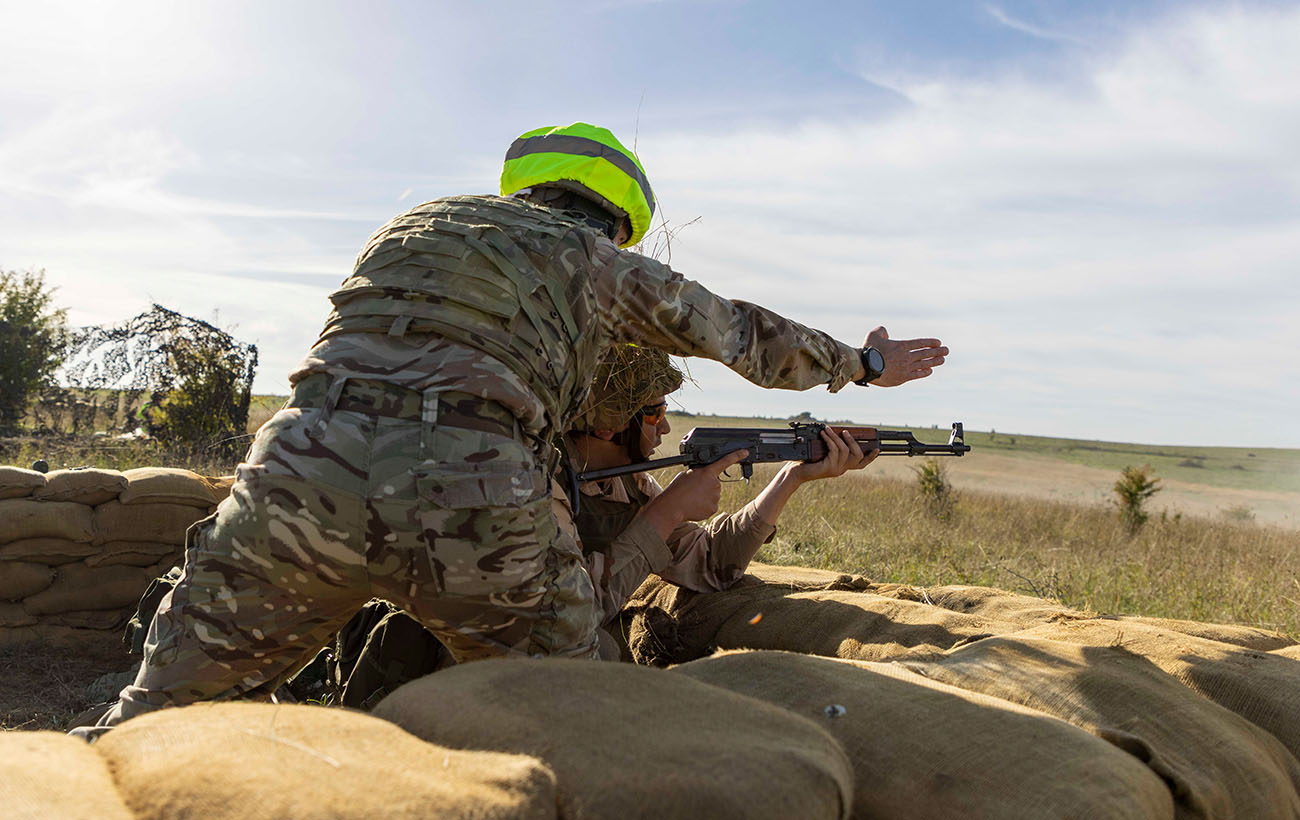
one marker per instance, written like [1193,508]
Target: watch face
[875,360]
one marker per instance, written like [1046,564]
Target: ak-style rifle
[802,442]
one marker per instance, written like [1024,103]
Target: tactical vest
[599,520]
[499,275]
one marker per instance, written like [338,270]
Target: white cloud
[1109,253]
[1118,244]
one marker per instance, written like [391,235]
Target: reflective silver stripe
[582,147]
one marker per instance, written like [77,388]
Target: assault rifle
[802,442]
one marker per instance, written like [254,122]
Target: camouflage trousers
[429,499]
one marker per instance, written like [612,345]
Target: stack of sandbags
[1217,764]
[1262,687]
[922,749]
[837,615]
[630,741]
[796,610]
[78,547]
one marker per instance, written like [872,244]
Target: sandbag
[838,616]
[52,551]
[996,604]
[1261,687]
[1249,637]
[89,618]
[13,615]
[79,587]
[260,761]
[15,482]
[50,776]
[805,578]
[18,579]
[133,553]
[159,523]
[666,624]
[859,625]
[25,518]
[169,485]
[922,749]
[1287,652]
[83,485]
[1216,763]
[629,741]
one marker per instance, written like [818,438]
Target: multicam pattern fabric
[452,524]
[493,311]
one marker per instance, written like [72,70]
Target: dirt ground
[44,685]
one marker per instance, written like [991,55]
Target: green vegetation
[1135,487]
[1219,570]
[32,337]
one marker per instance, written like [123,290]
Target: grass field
[1033,514]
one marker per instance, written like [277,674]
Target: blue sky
[1096,205]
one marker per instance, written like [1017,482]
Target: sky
[1096,205]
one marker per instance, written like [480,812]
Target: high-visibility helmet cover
[588,155]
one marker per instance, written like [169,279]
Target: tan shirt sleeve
[646,302]
[714,556]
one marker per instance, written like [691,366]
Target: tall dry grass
[1218,571]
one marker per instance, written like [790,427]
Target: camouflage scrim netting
[133,360]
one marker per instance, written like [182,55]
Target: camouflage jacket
[703,558]
[541,294]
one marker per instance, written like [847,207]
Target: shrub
[205,407]
[936,491]
[32,337]
[1135,487]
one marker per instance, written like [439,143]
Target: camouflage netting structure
[796,693]
[79,547]
[110,371]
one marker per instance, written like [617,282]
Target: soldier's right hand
[691,495]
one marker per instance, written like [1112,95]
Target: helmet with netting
[627,378]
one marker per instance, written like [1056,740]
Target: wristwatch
[873,366]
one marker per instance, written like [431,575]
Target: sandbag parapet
[79,546]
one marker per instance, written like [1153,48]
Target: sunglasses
[653,413]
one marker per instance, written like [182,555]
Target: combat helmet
[586,160]
[627,377]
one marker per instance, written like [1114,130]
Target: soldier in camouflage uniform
[412,461]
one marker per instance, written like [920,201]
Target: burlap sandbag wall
[922,749]
[630,741]
[1262,687]
[78,547]
[1216,763]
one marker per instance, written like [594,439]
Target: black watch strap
[873,366]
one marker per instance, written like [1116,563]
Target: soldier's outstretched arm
[646,302]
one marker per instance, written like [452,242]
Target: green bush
[1135,487]
[32,338]
[936,491]
[205,406]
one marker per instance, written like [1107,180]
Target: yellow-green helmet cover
[586,154]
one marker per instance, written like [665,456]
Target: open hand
[905,359]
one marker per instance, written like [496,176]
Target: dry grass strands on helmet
[627,377]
